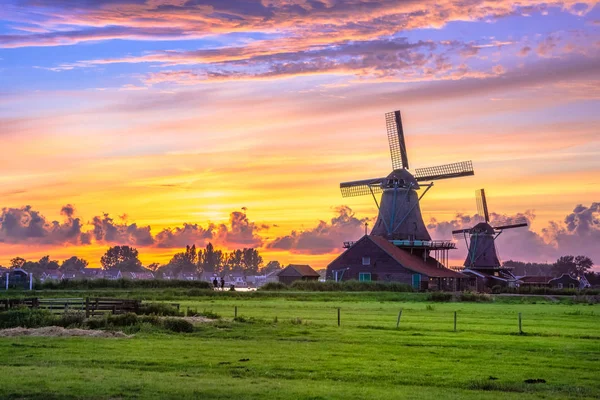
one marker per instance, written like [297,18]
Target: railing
[91,306]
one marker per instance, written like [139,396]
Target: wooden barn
[295,272]
[374,258]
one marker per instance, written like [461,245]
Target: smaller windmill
[482,257]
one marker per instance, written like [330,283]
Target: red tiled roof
[415,263]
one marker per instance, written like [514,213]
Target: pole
[454,321]
[338,316]
[399,316]
[30,281]
[7,277]
[520,326]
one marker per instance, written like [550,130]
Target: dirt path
[57,331]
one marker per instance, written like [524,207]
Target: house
[112,274]
[294,272]
[69,276]
[51,275]
[138,276]
[532,281]
[260,280]
[374,258]
[565,281]
[92,273]
[188,276]
[209,277]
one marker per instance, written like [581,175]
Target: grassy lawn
[285,347]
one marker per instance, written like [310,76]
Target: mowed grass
[291,349]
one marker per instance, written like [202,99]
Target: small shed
[294,272]
[565,281]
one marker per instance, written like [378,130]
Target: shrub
[440,297]
[26,318]
[83,284]
[209,314]
[178,325]
[122,319]
[71,319]
[162,309]
[346,286]
[475,297]
[274,286]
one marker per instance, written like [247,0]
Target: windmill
[480,239]
[399,217]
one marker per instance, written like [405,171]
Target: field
[288,346]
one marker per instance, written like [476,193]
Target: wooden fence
[90,305]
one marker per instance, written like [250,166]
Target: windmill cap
[483,227]
[403,177]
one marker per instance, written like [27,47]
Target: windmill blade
[511,226]
[459,231]
[393,122]
[361,188]
[456,170]
[482,207]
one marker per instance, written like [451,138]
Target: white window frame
[361,274]
[366,260]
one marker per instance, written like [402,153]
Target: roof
[303,270]
[415,263]
[532,279]
[563,276]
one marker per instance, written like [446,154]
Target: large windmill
[482,256]
[399,217]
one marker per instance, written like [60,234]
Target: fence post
[398,321]
[454,321]
[235,312]
[7,279]
[338,310]
[87,307]
[520,326]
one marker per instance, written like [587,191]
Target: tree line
[571,265]
[191,260]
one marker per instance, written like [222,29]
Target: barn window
[560,285]
[364,276]
[366,261]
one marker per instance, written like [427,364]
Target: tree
[252,261]
[124,258]
[571,265]
[270,267]
[17,262]
[73,264]
[212,260]
[153,267]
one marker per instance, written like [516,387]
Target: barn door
[416,281]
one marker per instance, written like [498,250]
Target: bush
[178,325]
[274,286]
[346,286]
[71,319]
[26,318]
[122,319]
[209,314]
[83,284]
[475,297]
[162,309]
[440,297]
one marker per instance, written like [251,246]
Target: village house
[294,272]
[374,258]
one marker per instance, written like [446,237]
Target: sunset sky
[161,123]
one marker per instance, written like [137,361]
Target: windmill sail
[361,188]
[482,208]
[393,122]
[455,170]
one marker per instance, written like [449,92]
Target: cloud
[326,237]
[25,225]
[578,233]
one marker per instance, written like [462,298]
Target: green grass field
[290,347]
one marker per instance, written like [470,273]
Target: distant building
[374,258]
[533,281]
[294,272]
[51,275]
[138,276]
[565,281]
[92,273]
[112,274]
[188,276]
